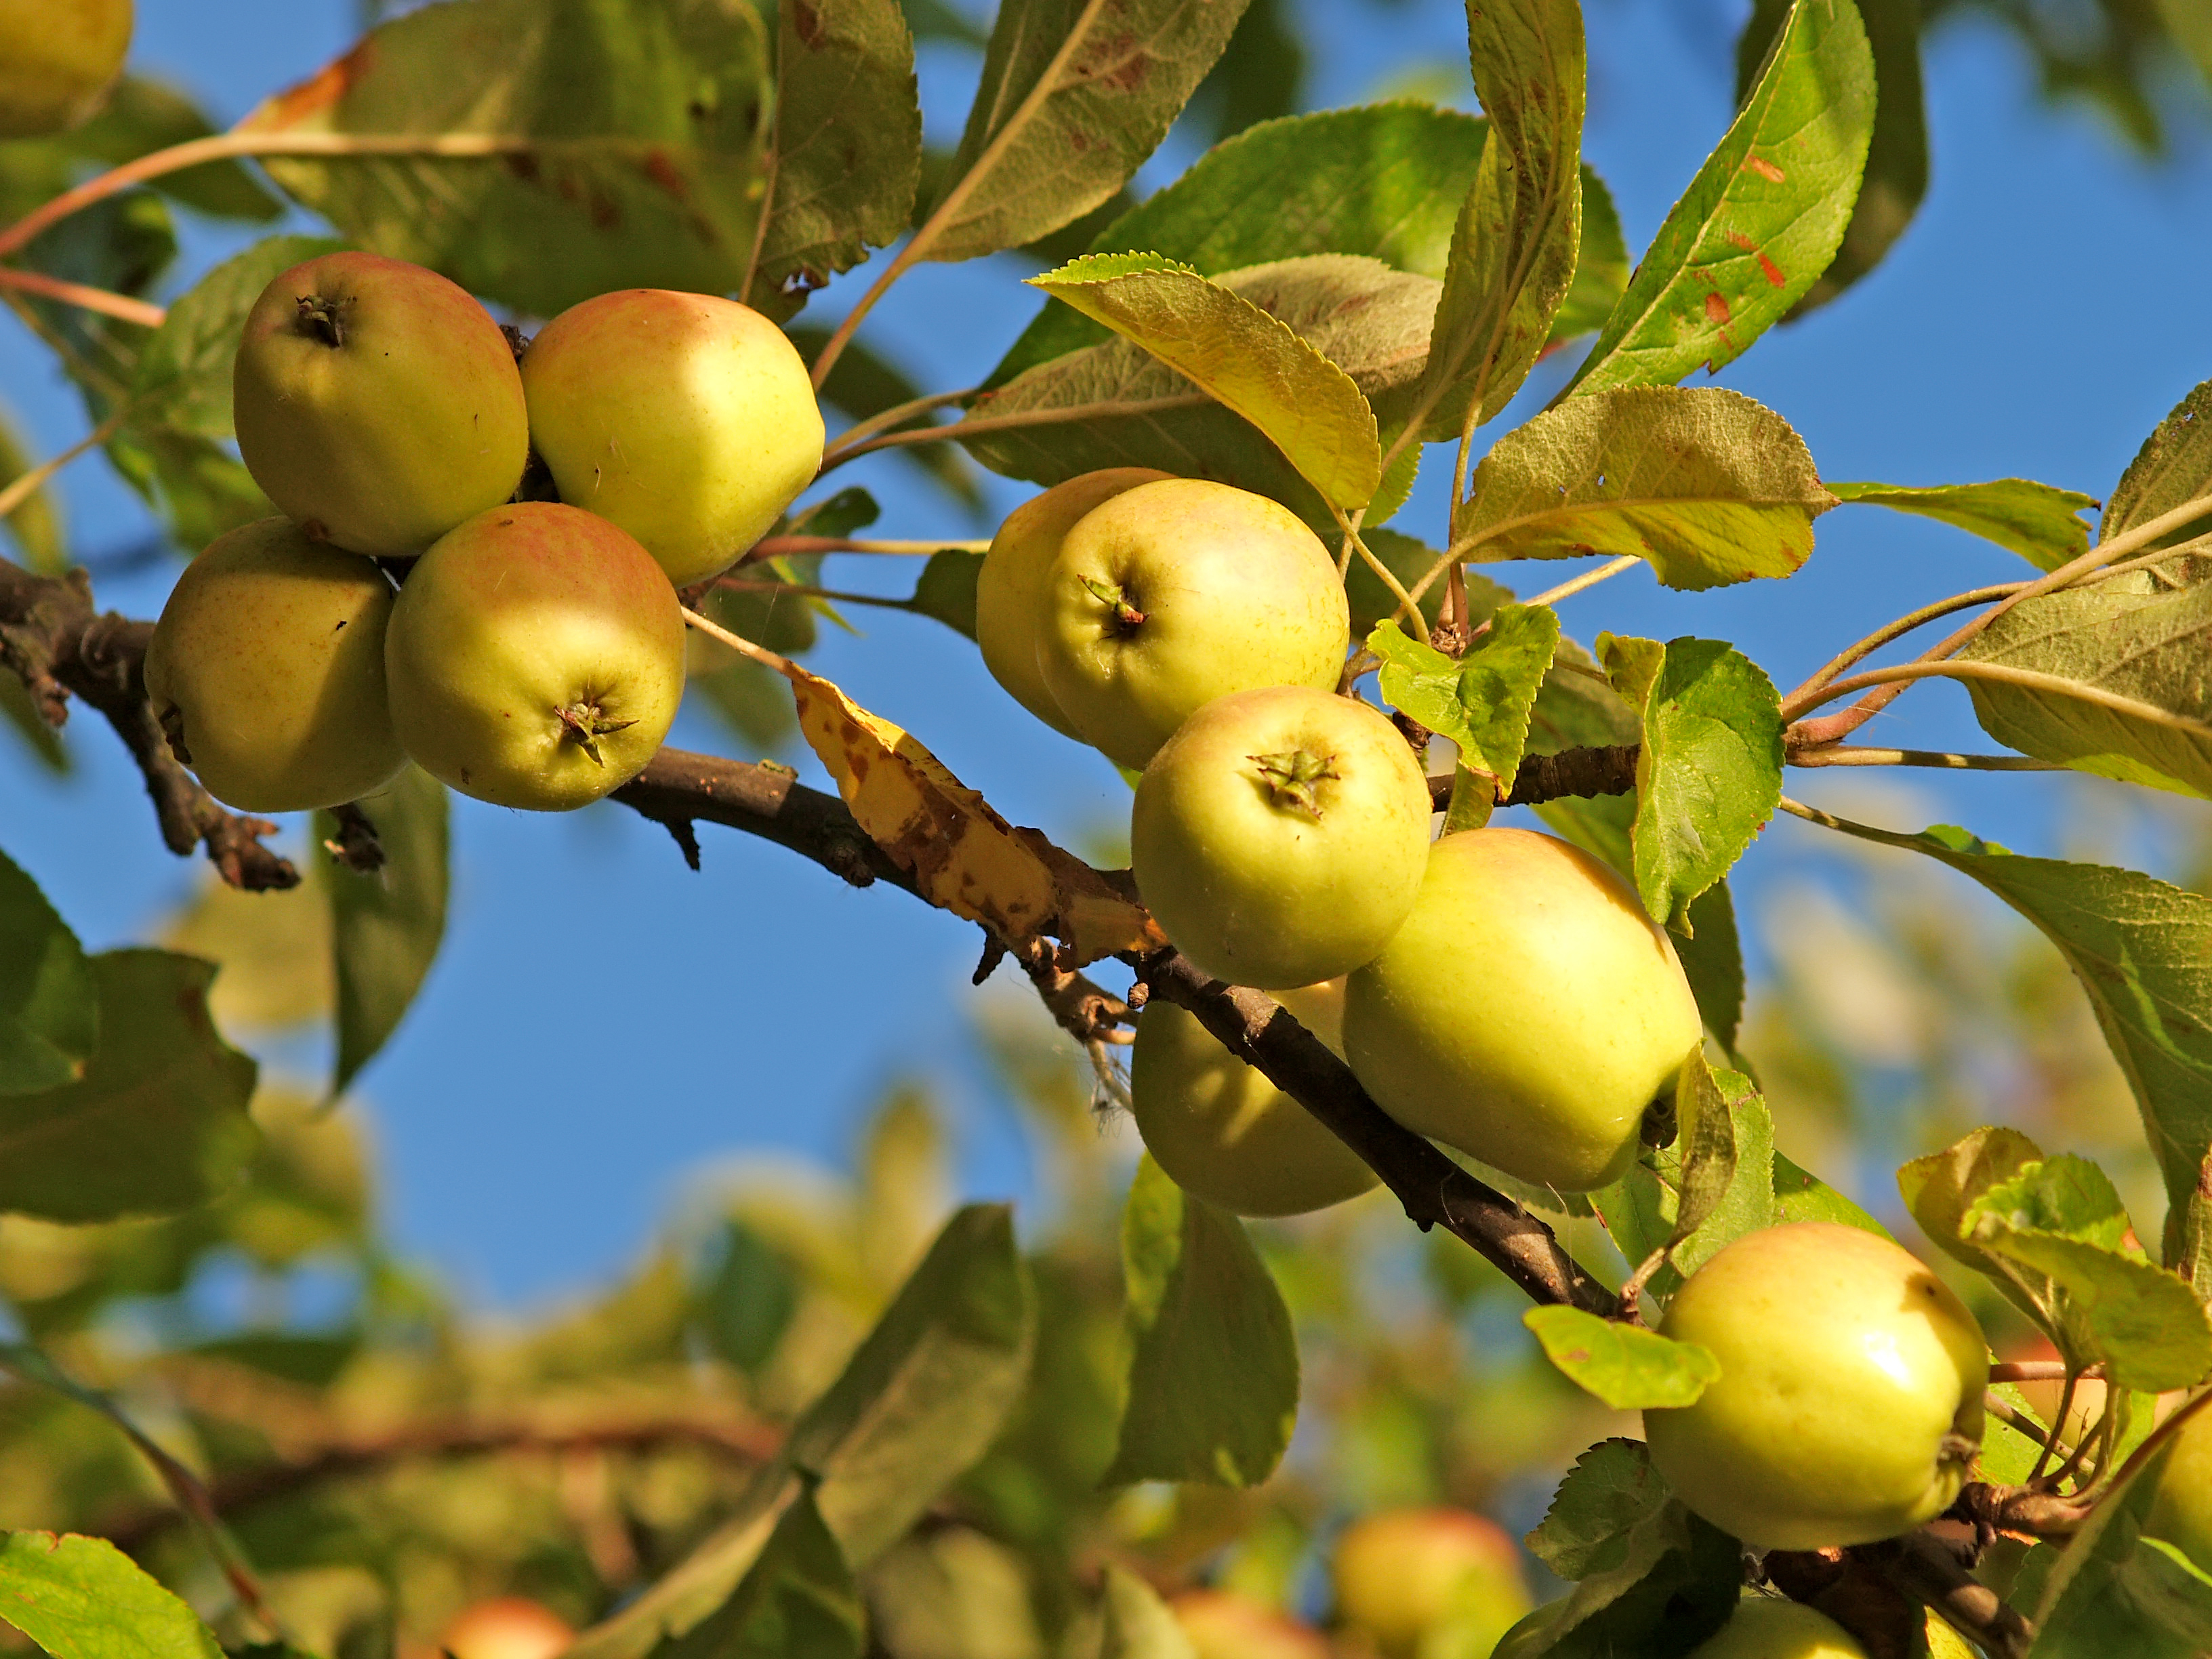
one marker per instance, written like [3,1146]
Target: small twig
[1610,770]
[1804,738]
[22,487]
[146,315]
[977,425]
[2039,1370]
[884,420]
[1845,754]
[778,547]
[1873,642]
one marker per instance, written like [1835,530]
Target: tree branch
[55,643]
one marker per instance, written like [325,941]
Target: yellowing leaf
[964,856]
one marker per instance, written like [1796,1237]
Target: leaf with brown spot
[965,857]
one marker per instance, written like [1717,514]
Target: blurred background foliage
[386,1458]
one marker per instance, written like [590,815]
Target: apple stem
[1290,777]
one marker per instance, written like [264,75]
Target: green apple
[377,403]
[506,1627]
[1766,1627]
[1402,1574]
[57,60]
[1010,588]
[687,419]
[2181,1511]
[1222,1131]
[266,671]
[1280,834]
[1527,1011]
[1174,593]
[535,657]
[1849,1405]
[1222,1625]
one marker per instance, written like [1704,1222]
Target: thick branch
[54,642]
[1604,771]
[1435,1191]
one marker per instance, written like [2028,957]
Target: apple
[535,657]
[1222,1625]
[377,403]
[1402,1574]
[1279,837]
[1222,1131]
[57,60]
[266,671]
[506,1627]
[1849,1404]
[1527,1011]
[2181,1511]
[687,419]
[1010,587]
[1767,1627]
[1174,593]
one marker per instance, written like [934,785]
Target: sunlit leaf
[2173,468]
[1711,956]
[182,380]
[1709,486]
[82,1598]
[1213,1369]
[1480,700]
[1626,1366]
[386,925]
[1138,1623]
[2040,522]
[1764,218]
[797,1600]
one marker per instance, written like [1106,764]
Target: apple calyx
[1291,776]
[1116,598]
[322,320]
[171,721]
[583,725]
[1660,1124]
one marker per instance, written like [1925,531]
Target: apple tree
[529,443]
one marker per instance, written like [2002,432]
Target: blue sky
[2043,314]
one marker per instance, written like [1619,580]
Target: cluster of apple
[407,606]
[1499,990]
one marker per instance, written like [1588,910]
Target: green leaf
[1241,356]
[2142,951]
[2059,1228]
[49,1001]
[17,709]
[745,1308]
[1517,237]
[1381,182]
[1763,219]
[1213,1369]
[1118,405]
[643,130]
[2192,1257]
[1075,94]
[1896,158]
[1706,1151]
[1802,1196]
[846,155]
[2111,1590]
[36,523]
[1409,559]
[1709,486]
[157,1123]
[1640,1556]
[947,589]
[797,1600]
[142,116]
[2040,522]
[386,926]
[2174,468]
[1136,1623]
[1480,700]
[1941,1188]
[182,380]
[2133,637]
[1710,770]
[1721,1161]
[1711,957]
[195,486]
[1627,1367]
[950,1592]
[82,1598]
[1600,266]
[920,1400]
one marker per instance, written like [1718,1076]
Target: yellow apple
[1222,1131]
[1402,1574]
[1849,1404]
[1280,834]
[1527,1011]
[1174,593]
[506,1627]
[1766,1627]
[687,419]
[377,403]
[1222,1625]
[57,60]
[2181,1511]
[535,657]
[1010,588]
[266,671]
